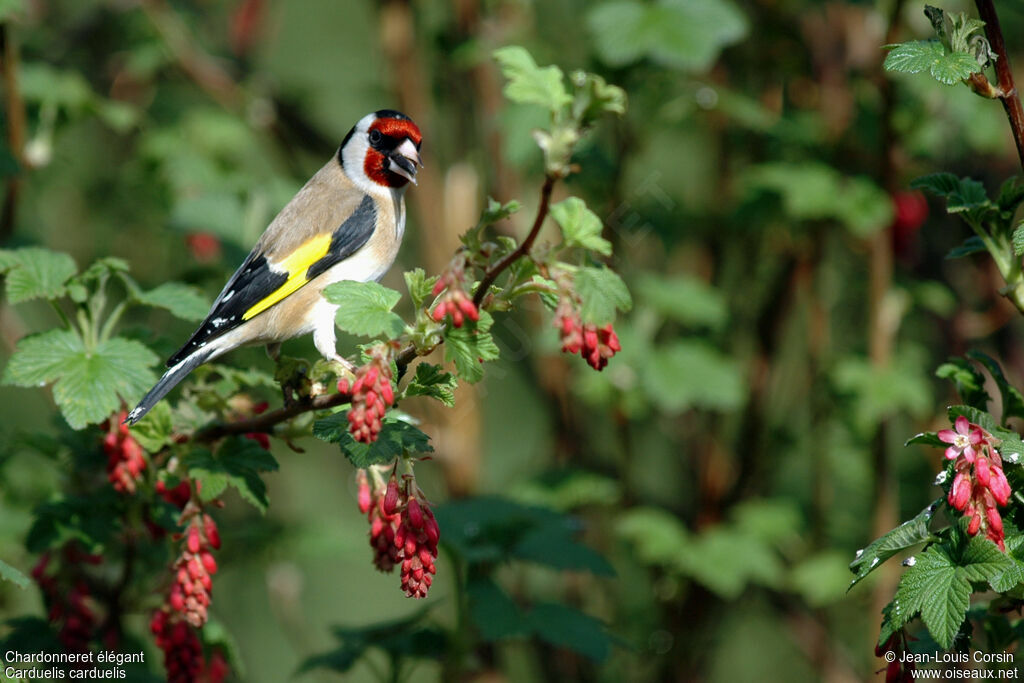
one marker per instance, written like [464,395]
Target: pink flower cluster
[371,394]
[67,596]
[595,344]
[980,484]
[403,530]
[125,459]
[183,652]
[456,302]
[194,569]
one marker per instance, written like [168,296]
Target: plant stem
[524,248]
[1010,97]
[14,108]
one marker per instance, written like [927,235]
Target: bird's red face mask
[393,154]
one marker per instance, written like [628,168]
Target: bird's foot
[293,375]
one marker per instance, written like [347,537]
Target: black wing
[254,280]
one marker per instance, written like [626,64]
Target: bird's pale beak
[404,160]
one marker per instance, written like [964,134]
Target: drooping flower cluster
[67,597]
[456,301]
[183,652]
[980,484]
[403,530]
[595,344]
[189,596]
[125,459]
[371,395]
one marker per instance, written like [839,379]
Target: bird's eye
[375,137]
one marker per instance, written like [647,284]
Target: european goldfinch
[346,223]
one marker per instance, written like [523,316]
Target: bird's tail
[170,380]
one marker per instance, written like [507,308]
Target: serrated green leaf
[9,573]
[33,272]
[529,83]
[181,300]
[1011,194]
[431,380]
[942,184]
[238,463]
[969,383]
[982,560]
[470,346]
[90,520]
[420,286]
[908,534]
[580,226]
[602,293]
[944,604]
[156,429]
[971,245]
[364,308]
[913,57]
[978,417]
[90,384]
[953,68]
[496,211]
[594,97]
[396,437]
[1013,402]
[1018,239]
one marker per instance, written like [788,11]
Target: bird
[346,223]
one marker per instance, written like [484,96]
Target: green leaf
[1013,402]
[945,66]
[982,560]
[420,286]
[914,57]
[1011,194]
[602,292]
[181,300]
[594,97]
[396,437]
[90,520]
[33,272]
[494,613]
[496,211]
[554,547]
[9,573]
[926,439]
[908,534]
[529,83]
[942,184]
[971,245]
[580,226]
[90,384]
[1018,239]
[470,346]
[685,299]
[978,417]
[946,597]
[690,372]
[404,637]
[685,34]
[566,627]
[156,429]
[237,463]
[431,380]
[364,308]
[969,383]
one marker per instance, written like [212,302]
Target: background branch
[1010,97]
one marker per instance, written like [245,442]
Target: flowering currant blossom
[456,301]
[371,394]
[980,485]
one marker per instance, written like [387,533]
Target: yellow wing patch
[295,264]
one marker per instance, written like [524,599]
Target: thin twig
[542,211]
[1010,97]
[267,421]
